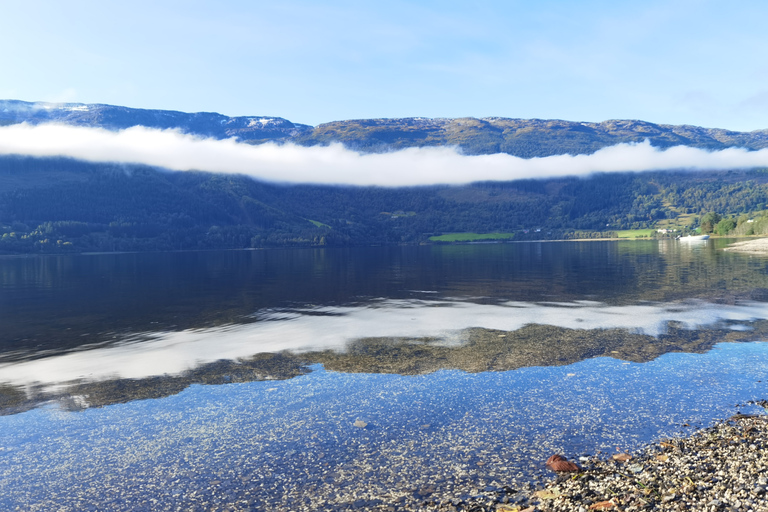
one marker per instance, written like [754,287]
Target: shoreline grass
[635,233]
[471,237]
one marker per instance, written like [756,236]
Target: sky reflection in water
[321,328]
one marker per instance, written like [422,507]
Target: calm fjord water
[468,364]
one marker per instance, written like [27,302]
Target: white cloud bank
[336,165]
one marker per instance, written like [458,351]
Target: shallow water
[277,443]
[468,365]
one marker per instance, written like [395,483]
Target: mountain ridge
[524,138]
[206,124]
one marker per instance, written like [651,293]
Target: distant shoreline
[758,247]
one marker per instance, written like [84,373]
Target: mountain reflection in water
[405,337]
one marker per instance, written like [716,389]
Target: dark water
[233,380]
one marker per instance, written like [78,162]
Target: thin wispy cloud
[336,164]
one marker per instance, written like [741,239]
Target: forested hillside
[62,205]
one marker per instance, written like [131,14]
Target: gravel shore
[758,246]
[722,468]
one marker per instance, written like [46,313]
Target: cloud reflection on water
[334,328]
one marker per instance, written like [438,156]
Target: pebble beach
[721,468]
[724,467]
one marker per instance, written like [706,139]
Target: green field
[636,233]
[470,237]
[319,224]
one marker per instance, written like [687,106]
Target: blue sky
[677,62]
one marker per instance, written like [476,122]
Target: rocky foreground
[722,468]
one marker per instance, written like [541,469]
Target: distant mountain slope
[207,124]
[520,137]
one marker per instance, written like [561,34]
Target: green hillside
[61,205]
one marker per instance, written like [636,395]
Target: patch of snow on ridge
[263,121]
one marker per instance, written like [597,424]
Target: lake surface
[321,379]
